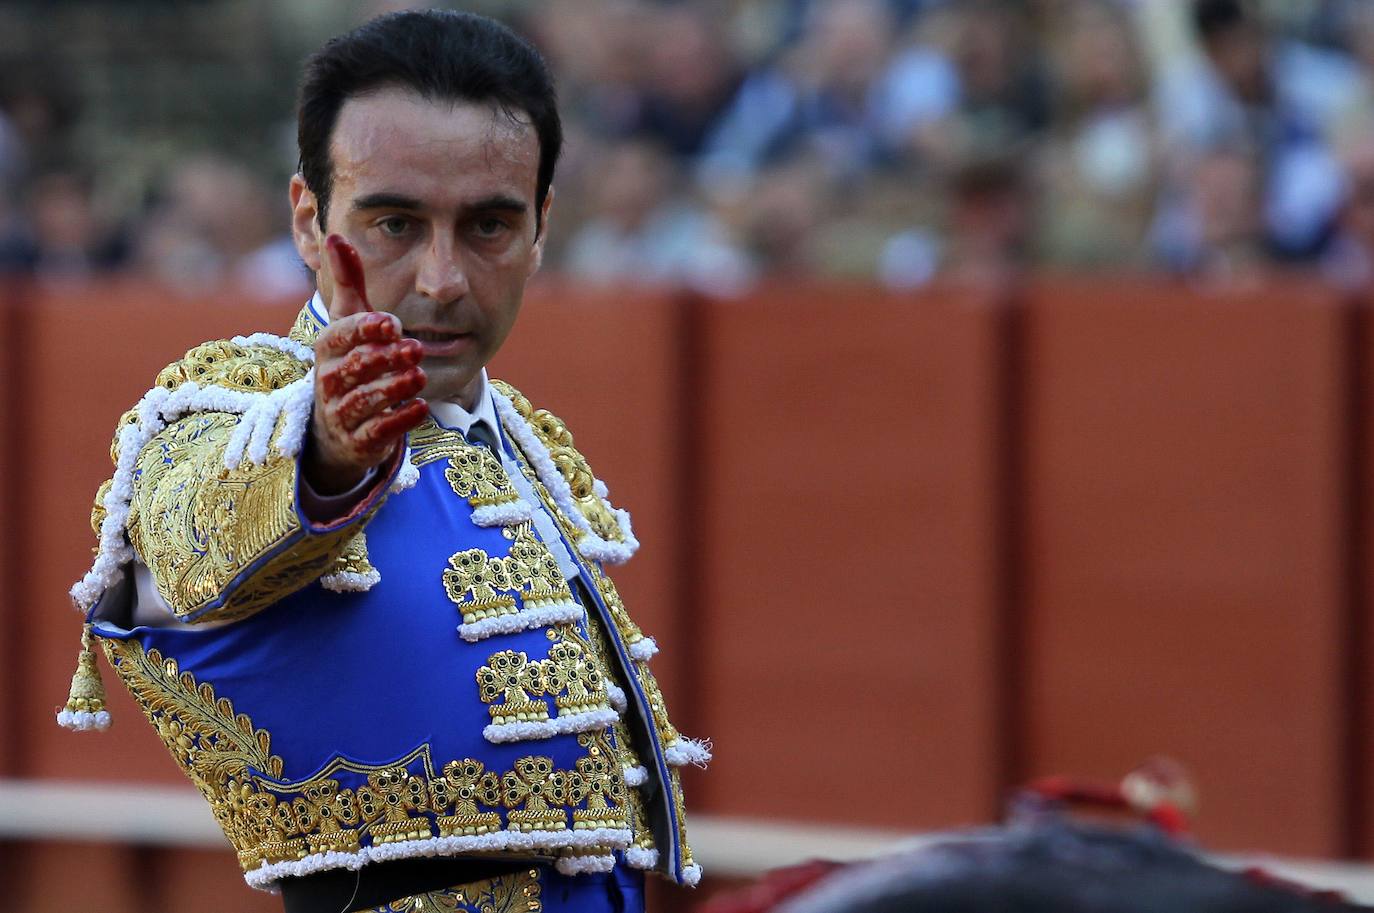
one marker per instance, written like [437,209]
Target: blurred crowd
[715,142]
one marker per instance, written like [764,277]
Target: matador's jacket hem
[425,678]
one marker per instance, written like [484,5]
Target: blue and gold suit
[473,700]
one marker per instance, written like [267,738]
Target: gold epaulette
[571,464]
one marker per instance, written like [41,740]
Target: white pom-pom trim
[688,751]
[616,695]
[643,649]
[507,514]
[691,875]
[350,581]
[407,477]
[280,343]
[637,775]
[564,724]
[522,620]
[260,413]
[641,857]
[591,545]
[84,720]
[592,839]
[577,865]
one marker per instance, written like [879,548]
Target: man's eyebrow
[499,203]
[386,201]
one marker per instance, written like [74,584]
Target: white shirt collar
[450,415]
[455,417]
[318,308]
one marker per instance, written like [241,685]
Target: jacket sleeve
[226,537]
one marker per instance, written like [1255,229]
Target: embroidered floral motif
[513,687]
[527,580]
[455,797]
[510,677]
[599,785]
[517,892]
[474,473]
[541,790]
[393,796]
[272,822]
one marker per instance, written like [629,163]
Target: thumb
[350,287]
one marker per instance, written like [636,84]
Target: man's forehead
[394,133]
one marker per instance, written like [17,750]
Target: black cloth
[379,883]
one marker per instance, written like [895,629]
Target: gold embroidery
[576,681]
[542,790]
[198,525]
[306,329]
[354,558]
[572,676]
[252,369]
[327,816]
[464,784]
[475,473]
[667,732]
[629,631]
[675,787]
[483,586]
[517,892]
[598,783]
[392,795]
[98,511]
[268,820]
[571,465]
[639,816]
[511,677]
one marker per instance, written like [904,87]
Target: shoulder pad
[224,363]
[571,464]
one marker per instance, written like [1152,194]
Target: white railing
[47,810]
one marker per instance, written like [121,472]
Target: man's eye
[394,227]
[490,227]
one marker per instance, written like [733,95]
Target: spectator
[215,227]
[1349,260]
[1215,228]
[1249,89]
[639,231]
[62,235]
[1097,163]
[820,97]
[689,80]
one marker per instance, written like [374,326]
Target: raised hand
[367,381]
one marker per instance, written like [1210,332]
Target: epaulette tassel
[85,709]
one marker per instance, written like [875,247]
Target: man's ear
[305,225]
[543,233]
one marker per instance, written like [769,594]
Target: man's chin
[451,383]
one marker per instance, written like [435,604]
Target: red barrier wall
[900,551]
[847,561]
[1184,520]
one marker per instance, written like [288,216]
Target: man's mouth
[439,342]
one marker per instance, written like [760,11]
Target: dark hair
[1213,17]
[1060,867]
[442,55]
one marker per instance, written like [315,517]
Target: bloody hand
[367,381]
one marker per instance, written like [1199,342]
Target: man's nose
[442,276]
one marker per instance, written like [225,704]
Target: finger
[341,337]
[366,363]
[350,286]
[381,431]
[362,403]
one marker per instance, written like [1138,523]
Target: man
[357,588]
